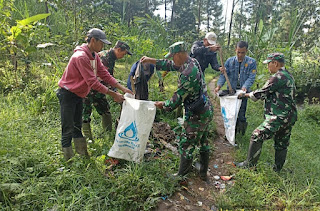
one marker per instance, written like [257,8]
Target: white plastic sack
[230,106]
[133,130]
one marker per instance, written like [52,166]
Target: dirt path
[197,194]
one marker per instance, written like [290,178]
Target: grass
[296,187]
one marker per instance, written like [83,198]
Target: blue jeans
[71,116]
[242,111]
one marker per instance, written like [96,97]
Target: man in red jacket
[79,77]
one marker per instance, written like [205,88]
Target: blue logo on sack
[224,116]
[130,133]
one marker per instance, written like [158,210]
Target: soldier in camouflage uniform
[280,113]
[192,92]
[99,100]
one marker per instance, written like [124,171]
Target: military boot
[86,130]
[253,155]
[80,144]
[280,158]
[185,166]
[67,153]
[107,121]
[202,167]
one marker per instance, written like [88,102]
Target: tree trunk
[240,24]
[230,26]
[257,19]
[172,12]
[165,11]
[208,15]
[75,19]
[199,14]
[225,19]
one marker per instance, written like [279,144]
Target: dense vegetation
[33,175]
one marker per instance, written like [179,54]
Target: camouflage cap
[123,46]
[99,35]
[274,57]
[176,48]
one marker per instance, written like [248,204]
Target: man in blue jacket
[241,71]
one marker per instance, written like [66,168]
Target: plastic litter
[216,177]
[226,178]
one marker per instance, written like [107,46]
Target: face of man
[120,53]
[205,42]
[241,53]
[179,58]
[96,45]
[273,66]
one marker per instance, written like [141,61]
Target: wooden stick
[132,85]
[231,91]
[169,146]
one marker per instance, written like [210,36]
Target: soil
[196,194]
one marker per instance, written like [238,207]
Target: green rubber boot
[80,144]
[107,122]
[86,130]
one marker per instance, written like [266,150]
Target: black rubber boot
[107,122]
[80,144]
[243,127]
[280,158]
[185,166]
[253,155]
[86,130]
[67,153]
[204,161]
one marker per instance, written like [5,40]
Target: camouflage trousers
[274,127]
[194,133]
[96,99]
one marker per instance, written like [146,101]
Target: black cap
[99,35]
[123,46]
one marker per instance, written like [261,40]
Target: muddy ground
[196,194]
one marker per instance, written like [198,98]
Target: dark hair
[242,44]
[88,39]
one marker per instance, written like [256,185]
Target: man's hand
[222,69]
[146,59]
[243,95]
[117,97]
[159,104]
[123,89]
[214,47]
[216,90]
[126,90]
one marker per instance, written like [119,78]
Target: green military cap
[176,48]
[123,46]
[274,57]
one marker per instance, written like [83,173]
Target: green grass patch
[296,187]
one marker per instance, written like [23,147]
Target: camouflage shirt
[278,94]
[108,59]
[190,85]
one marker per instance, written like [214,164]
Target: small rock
[200,203]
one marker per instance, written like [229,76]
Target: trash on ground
[226,178]
[216,177]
